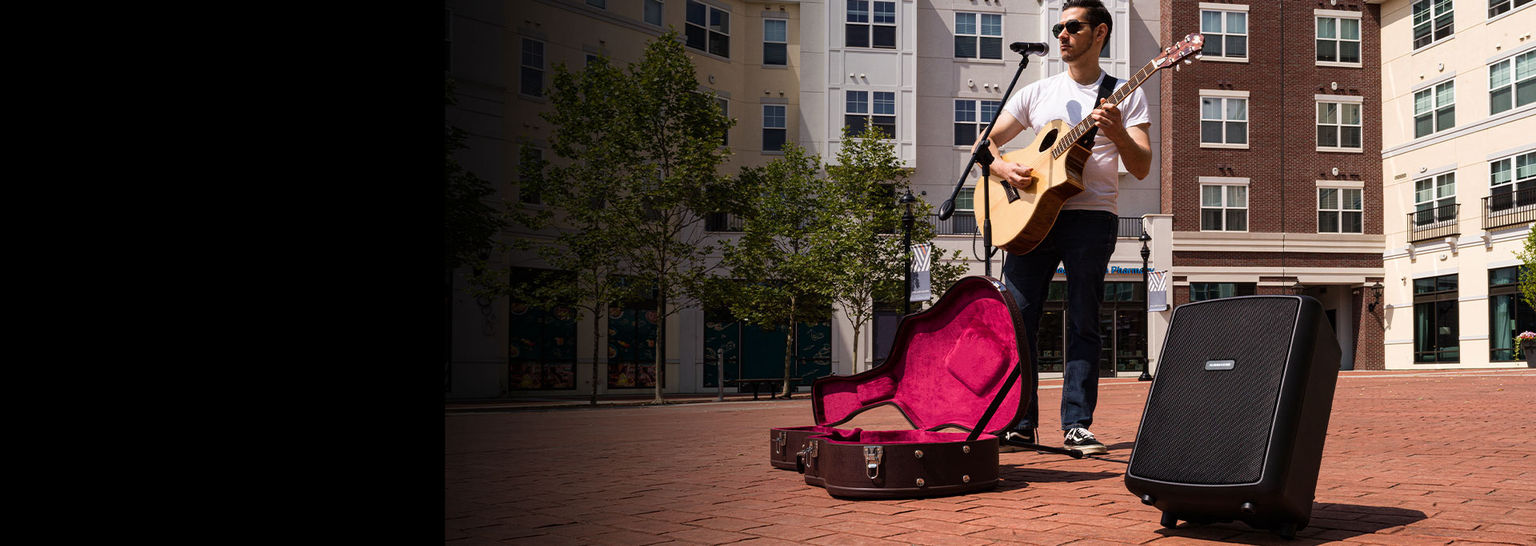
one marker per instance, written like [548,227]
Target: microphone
[1030,48]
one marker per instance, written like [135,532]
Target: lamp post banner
[920,289]
[1157,291]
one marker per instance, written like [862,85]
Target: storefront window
[1508,315]
[1435,322]
[541,348]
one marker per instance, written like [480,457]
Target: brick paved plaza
[1411,458]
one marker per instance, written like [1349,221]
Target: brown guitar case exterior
[963,364]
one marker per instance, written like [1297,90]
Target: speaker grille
[1208,422]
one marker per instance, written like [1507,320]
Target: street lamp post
[1146,253]
[906,248]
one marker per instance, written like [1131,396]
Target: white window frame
[1438,195]
[976,38]
[1338,17]
[1340,189]
[1513,81]
[1511,6]
[661,12]
[1247,121]
[725,110]
[1342,102]
[767,42]
[524,66]
[783,126]
[1513,182]
[868,103]
[978,121]
[1210,35]
[1435,13]
[1226,184]
[1435,107]
[708,28]
[869,23]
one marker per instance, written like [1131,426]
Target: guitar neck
[1065,143]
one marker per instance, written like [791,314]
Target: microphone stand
[983,156]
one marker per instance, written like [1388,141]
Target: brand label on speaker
[1219,364]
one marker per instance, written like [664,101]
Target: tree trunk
[661,322]
[596,347]
[789,348]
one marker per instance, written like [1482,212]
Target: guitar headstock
[1191,45]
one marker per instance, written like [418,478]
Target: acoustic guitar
[1022,218]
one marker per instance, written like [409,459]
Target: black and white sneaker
[1011,441]
[1082,440]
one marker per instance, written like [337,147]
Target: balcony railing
[722,221]
[1433,223]
[1130,227]
[1509,208]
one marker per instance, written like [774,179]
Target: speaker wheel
[1170,521]
[1287,531]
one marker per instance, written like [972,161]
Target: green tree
[668,181]
[472,220]
[790,225]
[1528,273]
[578,188]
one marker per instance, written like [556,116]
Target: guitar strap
[1106,88]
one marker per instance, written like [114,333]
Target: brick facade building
[1270,159]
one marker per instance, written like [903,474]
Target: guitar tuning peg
[1189,61]
[1177,67]
[1199,55]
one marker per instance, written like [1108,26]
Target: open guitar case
[962,364]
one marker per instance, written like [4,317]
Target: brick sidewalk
[1410,458]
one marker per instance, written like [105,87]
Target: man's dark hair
[1097,14]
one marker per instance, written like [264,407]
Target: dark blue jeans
[1081,241]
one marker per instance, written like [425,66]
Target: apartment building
[1459,165]
[1269,159]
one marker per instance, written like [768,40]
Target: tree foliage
[639,148]
[1528,273]
[471,222]
[785,258]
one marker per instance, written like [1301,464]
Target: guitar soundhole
[1050,138]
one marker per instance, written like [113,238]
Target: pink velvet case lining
[946,367]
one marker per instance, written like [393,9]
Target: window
[653,12]
[775,42]
[1498,7]
[1434,109]
[1512,182]
[1224,122]
[708,29]
[530,160]
[1434,199]
[1432,20]
[1223,208]
[978,42]
[1338,40]
[1504,91]
[866,31]
[1507,315]
[1226,34]
[1200,291]
[1340,210]
[773,127]
[541,348]
[1435,328]
[883,113]
[972,117]
[533,68]
[1338,126]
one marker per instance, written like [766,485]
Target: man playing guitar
[1083,236]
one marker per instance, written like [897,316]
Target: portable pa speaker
[1235,419]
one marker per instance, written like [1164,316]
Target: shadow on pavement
[1016,476]
[1340,521]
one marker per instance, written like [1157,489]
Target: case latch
[779,442]
[872,457]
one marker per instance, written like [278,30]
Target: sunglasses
[1072,27]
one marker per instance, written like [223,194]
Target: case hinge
[872,457]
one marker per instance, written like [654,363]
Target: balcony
[722,221]
[1433,223]
[1509,208]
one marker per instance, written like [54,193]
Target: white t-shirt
[1059,97]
